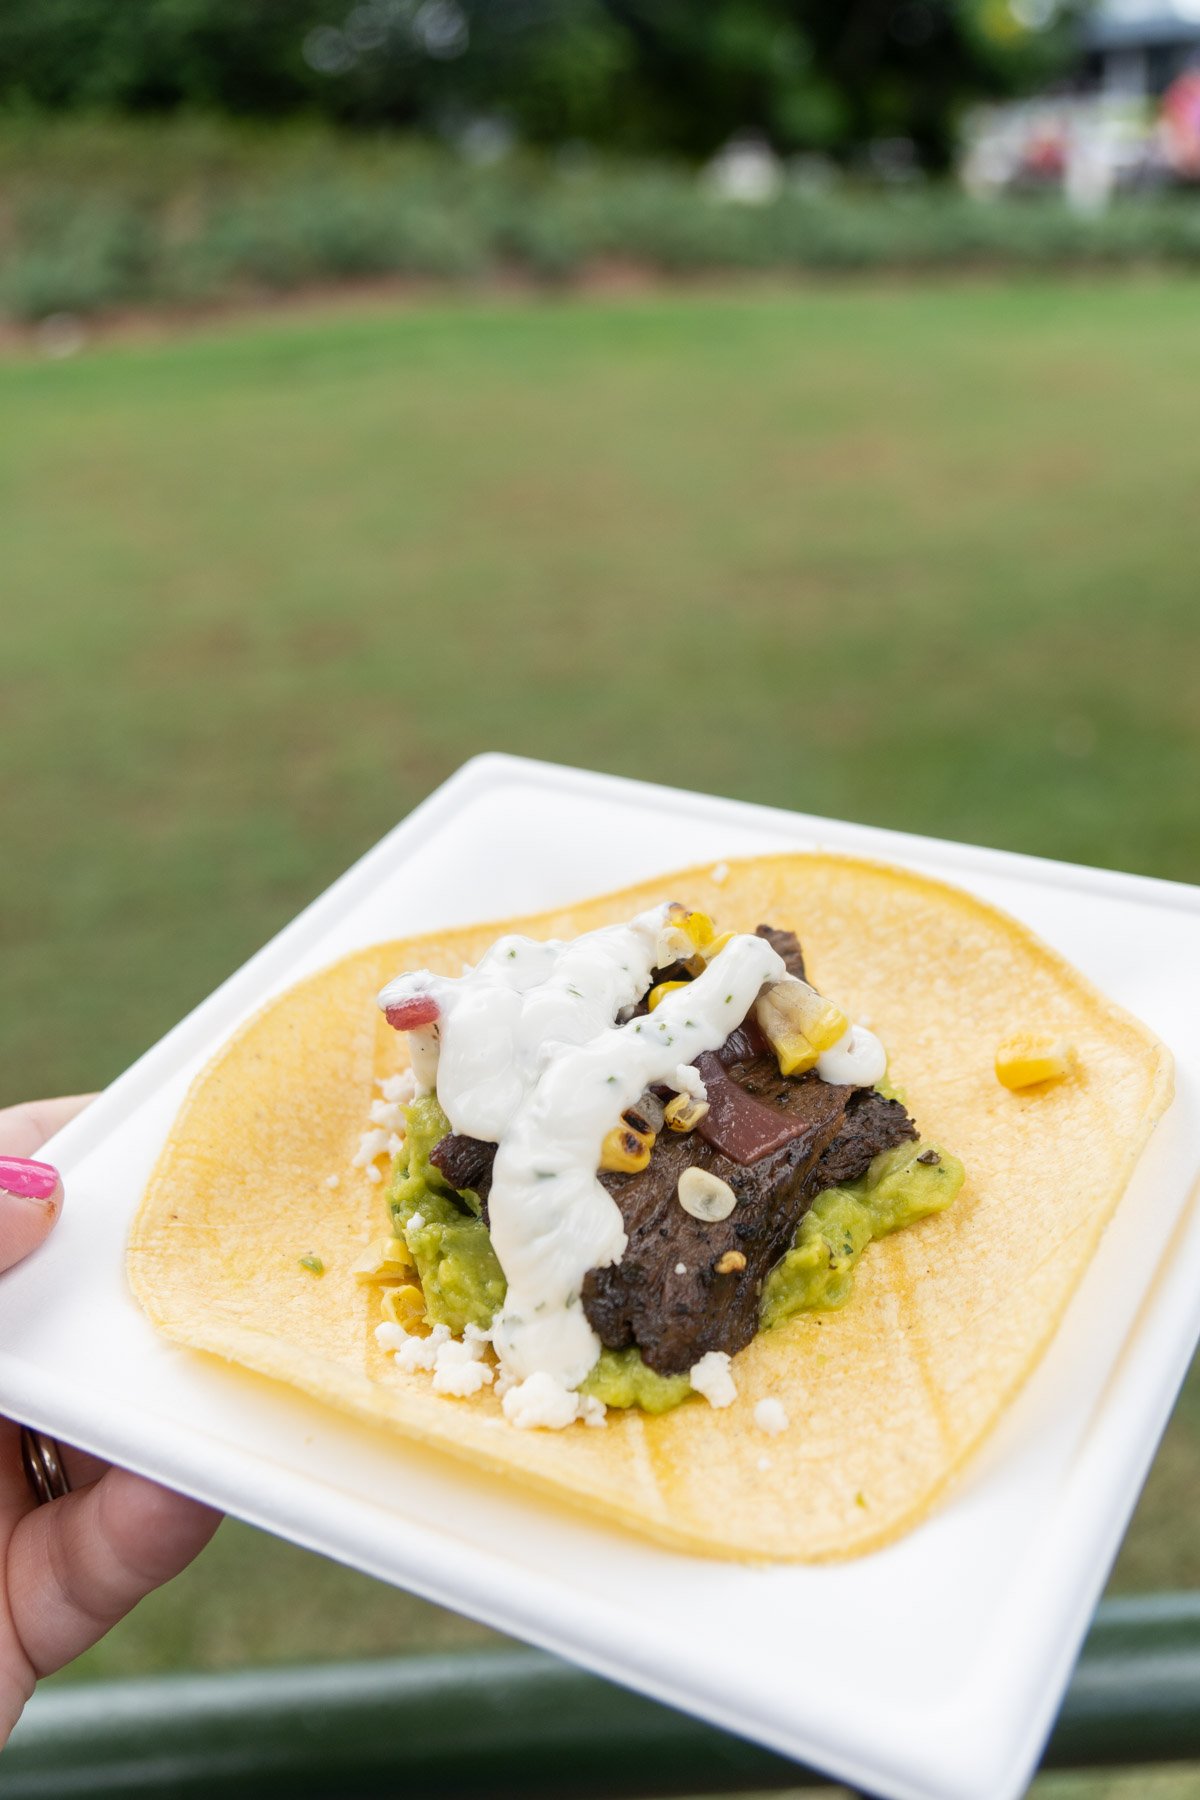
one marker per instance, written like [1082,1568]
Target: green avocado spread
[464,1284]
[461,1279]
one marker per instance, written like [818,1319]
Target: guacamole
[461,1278]
[817,1273]
[464,1284]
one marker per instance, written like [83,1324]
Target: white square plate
[928,1671]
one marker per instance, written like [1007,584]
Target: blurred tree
[647,75]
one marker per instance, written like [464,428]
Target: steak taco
[653,1203]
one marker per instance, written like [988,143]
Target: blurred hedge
[104,215]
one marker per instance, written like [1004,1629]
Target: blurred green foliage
[650,75]
[103,213]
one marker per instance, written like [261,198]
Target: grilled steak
[466,1162]
[666,1295]
[871,1124]
[787,945]
[675,1317]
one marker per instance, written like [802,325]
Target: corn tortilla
[885,1398]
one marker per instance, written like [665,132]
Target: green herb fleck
[312,1262]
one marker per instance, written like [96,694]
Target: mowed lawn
[923,557]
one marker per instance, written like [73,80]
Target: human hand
[69,1569]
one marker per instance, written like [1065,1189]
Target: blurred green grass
[922,557]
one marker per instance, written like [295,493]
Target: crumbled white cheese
[592,1411]
[374,1174]
[459,1369]
[332,1181]
[390,1337]
[771,1416]
[389,1114]
[711,1377]
[688,1080]
[416,1222]
[395,1144]
[370,1145]
[421,1352]
[720,874]
[458,1375]
[475,1334]
[399,1088]
[681,1268]
[542,1401]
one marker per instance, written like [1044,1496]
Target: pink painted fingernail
[30,1180]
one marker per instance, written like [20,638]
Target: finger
[25,1128]
[30,1201]
[77,1566]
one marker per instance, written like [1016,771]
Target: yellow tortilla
[885,1398]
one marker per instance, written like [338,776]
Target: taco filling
[627,1154]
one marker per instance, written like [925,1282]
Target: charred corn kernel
[791,1007]
[1027,1057]
[697,925]
[645,1115]
[661,990]
[625,1151]
[732,1263]
[793,1052]
[404,1306]
[685,1112]
[717,945]
[683,938]
[388,1260]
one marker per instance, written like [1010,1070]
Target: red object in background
[1181,124]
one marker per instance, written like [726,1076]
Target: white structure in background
[1135,49]
[1084,145]
[746,171]
[1109,131]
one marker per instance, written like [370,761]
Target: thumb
[30,1201]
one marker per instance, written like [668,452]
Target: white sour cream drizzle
[529,1058]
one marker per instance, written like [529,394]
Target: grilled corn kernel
[697,925]
[683,938]
[625,1151]
[717,945]
[661,990]
[793,1052]
[404,1306]
[685,1112]
[1027,1057]
[732,1263]
[388,1260]
[645,1115]
[791,1006]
